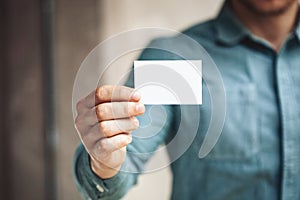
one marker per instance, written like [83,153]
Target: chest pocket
[239,138]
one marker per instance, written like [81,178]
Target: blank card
[169,82]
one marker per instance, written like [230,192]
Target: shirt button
[99,188]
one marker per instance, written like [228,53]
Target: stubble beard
[272,12]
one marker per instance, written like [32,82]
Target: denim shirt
[258,153]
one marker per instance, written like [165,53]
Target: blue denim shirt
[258,153]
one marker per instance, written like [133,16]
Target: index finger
[111,93]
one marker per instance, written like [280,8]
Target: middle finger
[118,110]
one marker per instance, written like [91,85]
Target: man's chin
[269,7]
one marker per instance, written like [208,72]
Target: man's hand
[105,120]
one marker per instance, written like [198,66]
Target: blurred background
[42,44]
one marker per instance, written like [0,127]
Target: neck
[272,28]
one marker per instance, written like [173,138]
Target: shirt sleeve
[138,152]
[92,187]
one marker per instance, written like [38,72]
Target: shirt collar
[297,29]
[231,31]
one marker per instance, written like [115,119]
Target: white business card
[169,82]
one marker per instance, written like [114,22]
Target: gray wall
[32,164]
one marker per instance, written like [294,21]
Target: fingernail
[129,139]
[136,121]
[136,96]
[140,108]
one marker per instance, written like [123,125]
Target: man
[256,46]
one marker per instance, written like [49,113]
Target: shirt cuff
[93,187]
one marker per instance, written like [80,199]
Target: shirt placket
[290,186]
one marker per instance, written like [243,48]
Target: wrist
[103,171]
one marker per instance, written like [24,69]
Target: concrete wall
[76,33]
[22,128]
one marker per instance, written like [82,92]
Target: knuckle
[101,111]
[104,129]
[101,93]
[103,146]
[79,106]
